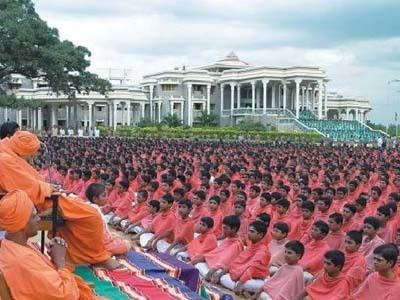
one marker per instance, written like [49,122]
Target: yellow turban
[15,211]
[24,143]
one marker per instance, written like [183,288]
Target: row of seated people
[241,261]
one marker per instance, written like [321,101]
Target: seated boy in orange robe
[333,283]
[248,270]
[384,282]
[96,194]
[335,237]
[306,221]
[27,272]
[220,257]
[136,213]
[152,209]
[199,207]
[215,213]
[277,246]
[385,232]
[163,223]
[312,261]
[200,245]
[183,230]
[240,211]
[288,281]
[355,266]
[370,241]
[282,215]
[349,221]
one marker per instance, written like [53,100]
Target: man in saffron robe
[312,261]
[220,257]
[335,237]
[288,281]
[355,266]
[384,282]
[370,241]
[333,283]
[27,272]
[200,245]
[83,230]
[248,270]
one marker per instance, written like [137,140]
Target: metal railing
[374,130]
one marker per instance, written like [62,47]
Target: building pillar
[19,116]
[110,114]
[313,98]
[265,86]
[5,114]
[90,112]
[189,104]
[67,116]
[208,98]
[34,111]
[232,85]
[325,101]
[115,115]
[253,96]
[273,100]
[297,107]
[142,110]
[284,93]
[222,99]
[320,99]
[238,97]
[181,106]
[128,117]
[258,97]
[151,87]
[159,112]
[53,115]
[40,118]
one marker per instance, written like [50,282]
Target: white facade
[230,87]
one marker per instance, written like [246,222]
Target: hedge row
[207,133]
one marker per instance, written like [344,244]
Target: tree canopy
[28,46]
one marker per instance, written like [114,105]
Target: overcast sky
[356,41]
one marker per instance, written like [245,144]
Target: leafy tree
[28,46]
[207,119]
[172,120]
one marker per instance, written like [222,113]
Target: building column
[90,112]
[238,96]
[181,106]
[115,115]
[258,97]
[232,85]
[208,98]
[128,117]
[142,110]
[40,118]
[284,93]
[5,114]
[110,114]
[189,104]
[297,107]
[325,101]
[19,116]
[320,99]
[273,100]
[159,112]
[253,96]
[67,115]
[34,111]
[222,99]
[53,115]
[313,98]
[265,86]
[151,87]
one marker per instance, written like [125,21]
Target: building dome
[233,60]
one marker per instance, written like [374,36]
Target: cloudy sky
[356,41]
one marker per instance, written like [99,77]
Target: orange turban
[15,211]
[24,143]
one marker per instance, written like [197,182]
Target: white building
[230,87]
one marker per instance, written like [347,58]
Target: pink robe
[220,257]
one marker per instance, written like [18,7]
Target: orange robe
[138,212]
[201,245]
[217,217]
[355,267]
[220,257]
[378,287]
[162,223]
[329,288]
[184,229]
[83,230]
[314,253]
[335,240]
[31,276]
[367,249]
[286,284]
[251,263]
[277,250]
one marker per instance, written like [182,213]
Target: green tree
[28,46]
[207,119]
[250,125]
[172,120]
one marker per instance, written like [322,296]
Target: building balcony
[249,112]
